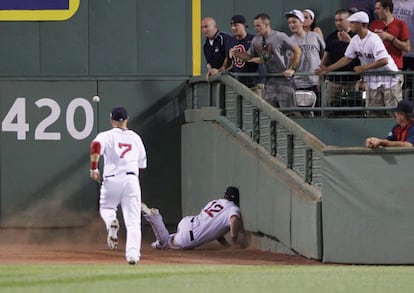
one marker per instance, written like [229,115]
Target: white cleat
[156,245]
[132,261]
[146,210]
[112,238]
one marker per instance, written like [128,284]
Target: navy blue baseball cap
[404,106]
[238,19]
[119,114]
[232,193]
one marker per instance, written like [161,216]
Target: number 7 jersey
[123,151]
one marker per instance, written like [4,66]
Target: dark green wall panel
[164,31]
[64,45]
[349,132]
[19,50]
[40,179]
[45,182]
[113,37]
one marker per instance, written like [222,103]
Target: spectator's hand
[214,71]
[321,70]
[288,72]
[384,35]
[372,142]
[232,53]
[257,60]
[211,71]
[359,69]
[343,36]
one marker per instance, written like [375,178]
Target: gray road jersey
[213,221]
[312,46]
[276,44]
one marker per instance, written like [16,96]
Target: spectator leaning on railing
[240,41]
[214,46]
[369,48]
[336,44]
[402,134]
[269,47]
[312,46]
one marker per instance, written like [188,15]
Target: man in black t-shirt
[241,41]
[336,44]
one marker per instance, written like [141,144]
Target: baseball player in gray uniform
[216,219]
[124,154]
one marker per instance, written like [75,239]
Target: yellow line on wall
[196,33]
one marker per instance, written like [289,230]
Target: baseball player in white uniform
[124,154]
[216,219]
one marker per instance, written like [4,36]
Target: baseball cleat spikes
[132,261]
[112,238]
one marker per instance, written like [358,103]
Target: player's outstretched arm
[236,228]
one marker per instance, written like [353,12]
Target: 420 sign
[16,119]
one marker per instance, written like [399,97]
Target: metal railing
[350,101]
[281,137]
[270,127]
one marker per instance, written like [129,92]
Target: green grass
[204,278]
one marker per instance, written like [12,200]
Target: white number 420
[15,119]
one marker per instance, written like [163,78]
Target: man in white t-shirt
[383,90]
[124,155]
[216,219]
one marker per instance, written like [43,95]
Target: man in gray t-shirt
[269,47]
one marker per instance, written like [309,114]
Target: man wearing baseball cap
[268,48]
[402,134]
[312,46]
[124,156]
[240,41]
[383,89]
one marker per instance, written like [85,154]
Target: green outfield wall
[140,54]
[137,53]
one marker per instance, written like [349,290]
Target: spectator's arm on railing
[295,60]
[374,142]
[338,64]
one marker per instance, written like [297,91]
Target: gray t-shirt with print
[312,46]
[272,49]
